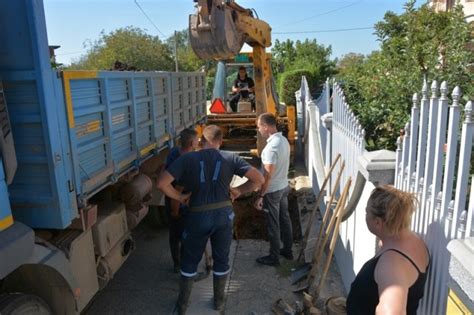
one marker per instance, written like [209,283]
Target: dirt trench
[249,223]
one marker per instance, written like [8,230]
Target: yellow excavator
[217,31]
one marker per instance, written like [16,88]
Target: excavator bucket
[213,34]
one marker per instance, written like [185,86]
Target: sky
[72,23]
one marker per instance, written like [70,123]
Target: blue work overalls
[201,224]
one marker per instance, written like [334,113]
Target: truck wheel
[23,304]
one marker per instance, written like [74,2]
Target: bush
[209,87]
[290,82]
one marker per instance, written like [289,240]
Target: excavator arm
[218,30]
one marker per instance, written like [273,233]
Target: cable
[323,13]
[328,31]
[256,14]
[148,18]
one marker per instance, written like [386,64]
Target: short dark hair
[187,137]
[268,119]
[212,133]
[242,68]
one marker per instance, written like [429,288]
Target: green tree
[415,45]
[187,59]
[283,54]
[307,54]
[129,45]
[350,62]
[295,58]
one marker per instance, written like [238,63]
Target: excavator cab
[226,74]
[218,30]
[239,126]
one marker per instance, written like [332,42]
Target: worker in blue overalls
[206,176]
[189,142]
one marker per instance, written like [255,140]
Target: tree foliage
[291,82]
[129,45]
[187,59]
[291,59]
[415,45]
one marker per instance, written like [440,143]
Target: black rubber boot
[185,287]
[219,292]
[269,260]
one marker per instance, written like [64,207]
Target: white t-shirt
[277,152]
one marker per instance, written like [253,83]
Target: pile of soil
[249,223]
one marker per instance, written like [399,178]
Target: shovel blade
[201,276]
[303,287]
[300,273]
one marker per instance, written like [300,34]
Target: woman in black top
[393,281]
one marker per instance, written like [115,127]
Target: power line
[321,14]
[149,19]
[328,31]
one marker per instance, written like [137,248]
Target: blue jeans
[198,228]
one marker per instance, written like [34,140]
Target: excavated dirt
[249,223]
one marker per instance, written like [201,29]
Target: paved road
[146,284]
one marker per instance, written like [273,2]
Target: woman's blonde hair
[395,207]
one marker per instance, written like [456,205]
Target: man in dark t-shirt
[242,88]
[188,143]
[206,176]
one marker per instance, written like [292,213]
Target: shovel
[280,307]
[334,222]
[302,271]
[311,217]
[208,260]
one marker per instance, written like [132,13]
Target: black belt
[211,206]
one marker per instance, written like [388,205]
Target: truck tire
[23,304]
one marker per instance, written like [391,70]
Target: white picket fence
[312,136]
[434,161]
[347,135]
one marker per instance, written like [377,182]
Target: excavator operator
[243,89]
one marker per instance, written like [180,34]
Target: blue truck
[79,150]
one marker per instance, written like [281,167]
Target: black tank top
[364,296]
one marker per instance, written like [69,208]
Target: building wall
[443,5]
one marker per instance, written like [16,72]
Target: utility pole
[176,50]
